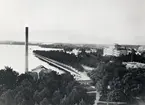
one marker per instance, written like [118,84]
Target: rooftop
[41,68]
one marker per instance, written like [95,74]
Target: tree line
[88,59]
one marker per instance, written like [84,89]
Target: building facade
[115,50]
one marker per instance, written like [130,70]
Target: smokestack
[26,49]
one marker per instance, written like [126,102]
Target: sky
[74,21]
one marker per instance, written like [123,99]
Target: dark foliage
[132,57]
[116,83]
[8,77]
[50,89]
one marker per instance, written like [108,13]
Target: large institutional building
[115,50]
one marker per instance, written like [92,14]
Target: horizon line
[41,42]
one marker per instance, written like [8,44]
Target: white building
[74,51]
[141,49]
[115,50]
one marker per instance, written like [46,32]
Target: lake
[14,57]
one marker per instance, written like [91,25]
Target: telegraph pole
[26,49]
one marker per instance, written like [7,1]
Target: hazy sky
[74,21]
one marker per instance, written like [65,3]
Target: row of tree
[89,59]
[63,57]
[49,89]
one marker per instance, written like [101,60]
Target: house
[115,50]
[39,69]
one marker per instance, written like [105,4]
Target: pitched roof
[41,68]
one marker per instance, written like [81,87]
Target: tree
[45,92]
[3,88]
[19,97]
[74,96]
[8,77]
[65,101]
[134,82]
[24,77]
[26,102]
[70,86]
[37,98]
[77,94]
[56,98]
[82,102]
[8,97]
[117,96]
[45,102]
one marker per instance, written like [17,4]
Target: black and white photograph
[72,52]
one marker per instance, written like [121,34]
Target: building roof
[41,68]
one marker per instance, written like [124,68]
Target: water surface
[14,56]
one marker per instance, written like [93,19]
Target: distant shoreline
[63,45]
[17,43]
